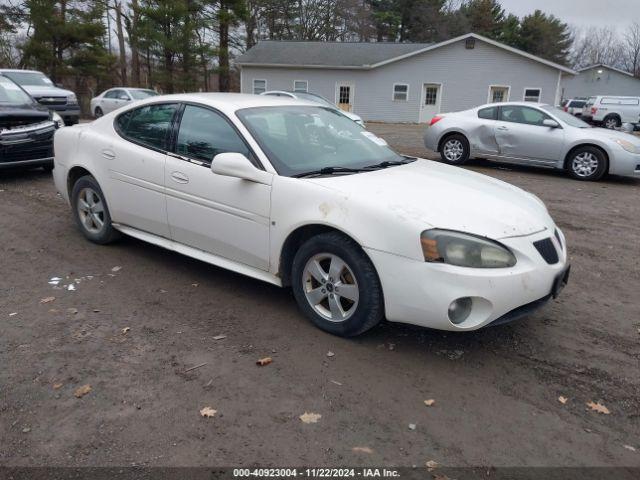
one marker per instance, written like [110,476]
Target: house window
[259,86]
[344,94]
[498,94]
[532,95]
[400,92]
[430,95]
[300,86]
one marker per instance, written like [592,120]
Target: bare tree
[631,49]
[596,46]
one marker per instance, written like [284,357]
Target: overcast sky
[615,13]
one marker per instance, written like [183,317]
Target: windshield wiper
[389,163]
[329,171]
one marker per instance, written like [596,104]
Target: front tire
[455,149]
[587,163]
[91,212]
[336,286]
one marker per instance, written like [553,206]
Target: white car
[297,195]
[574,106]
[114,98]
[312,97]
[533,134]
[611,111]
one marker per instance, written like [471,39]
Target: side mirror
[547,122]
[231,164]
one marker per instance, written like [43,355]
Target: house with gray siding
[403,82]
[600,80]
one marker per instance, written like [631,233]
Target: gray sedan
[533,134]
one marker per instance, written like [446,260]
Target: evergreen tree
[545,36]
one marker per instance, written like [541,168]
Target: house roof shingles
[326,54]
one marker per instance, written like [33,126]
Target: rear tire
[98,112]
[587,163]
[455,149]
[336,286]
[612,122]
[91,212]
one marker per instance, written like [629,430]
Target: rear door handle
[108,154]
[179,177]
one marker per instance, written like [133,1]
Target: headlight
[628,146]
[72,98]
[464,250]
[58,119]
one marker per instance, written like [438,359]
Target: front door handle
[502,128]
[108,154]
[179,177]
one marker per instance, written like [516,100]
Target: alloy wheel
[90,210]
[585,164]
[453,150]
[611,123]
[330,287]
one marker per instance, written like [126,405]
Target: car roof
[522,104]
[16,70]
[228,102]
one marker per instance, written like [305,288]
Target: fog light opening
[460,309]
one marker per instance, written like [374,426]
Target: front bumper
[624,163]
[420,293]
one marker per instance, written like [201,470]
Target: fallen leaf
[208,412]
[307,417]
[336,383]
[562,399]
[82,391]
[47,299]
[431,464]
[26,429]
[598,407]
[72,310]
[13,314]
[71,287]
[125,330]
[264,361]
[430,403]
[116,269]
[57,386]
[361,450]
[629,447]
[219,337]
[412,426]
[194,284]
[330,354]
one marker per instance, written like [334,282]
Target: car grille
[547,250]
[27,143]
[52,100]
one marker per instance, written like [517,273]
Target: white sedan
[536,135]
[298,195]
[114,98]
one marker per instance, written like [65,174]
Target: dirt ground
[141,318]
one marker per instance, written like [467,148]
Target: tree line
[188,45]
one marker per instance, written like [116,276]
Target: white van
[610,111]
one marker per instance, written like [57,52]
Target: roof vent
[470,43]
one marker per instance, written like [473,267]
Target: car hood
[44,91]
[18,115]
[433,195]
[608,135]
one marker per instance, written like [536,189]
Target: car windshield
[315,98]
[12,94]
[140,94]
[565,117]
[305,139]
[29,78]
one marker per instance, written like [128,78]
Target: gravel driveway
[158,337]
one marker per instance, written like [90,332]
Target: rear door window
[490,113]
[148,126]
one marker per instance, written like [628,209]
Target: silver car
[536,135]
